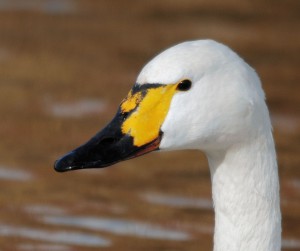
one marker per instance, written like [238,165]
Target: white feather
[224,114]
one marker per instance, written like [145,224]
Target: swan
[202,95]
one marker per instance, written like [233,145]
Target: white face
[219,107]
[196,95]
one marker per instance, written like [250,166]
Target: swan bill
[146,107]
[134,131]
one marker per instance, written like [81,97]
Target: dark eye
[184,85]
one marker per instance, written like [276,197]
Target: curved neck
[245,190]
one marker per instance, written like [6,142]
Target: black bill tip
[66,163]
[106,148]
[79,159]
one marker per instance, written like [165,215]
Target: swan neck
[245,190]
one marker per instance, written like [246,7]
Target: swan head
[195,95]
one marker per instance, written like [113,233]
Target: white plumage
[224,114]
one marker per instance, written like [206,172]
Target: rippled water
[4,55]
[46,6]
[43,247]
[291,244]
[8,173]
[76,109]
[295,183]
[44,209]
[119,227]
[286,123]
[177,201]
[57,216]
[64,237]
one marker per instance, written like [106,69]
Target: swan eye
[184,85]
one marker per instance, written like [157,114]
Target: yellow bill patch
[149,109]
[131,101]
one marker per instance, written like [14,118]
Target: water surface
[46,6]
[41,209]
[43,247]
[285,123]
[119,227]
[8,173]
[177,201]
[76,109]
[64,237]
[291,243]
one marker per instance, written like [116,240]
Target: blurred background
[65,65]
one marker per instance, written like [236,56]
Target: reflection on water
[47,6]
[177,201]
[295,183]
[4,55]
[194,227]
[8,173]
[44,209]
[76,109]
[43,247]
[72,238]
[290,244]
[119,227]
[286,123]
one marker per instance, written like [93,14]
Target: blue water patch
[43,247]
[119,227]
[177,201]
[63,237]
[38,209]
[46,6]
[76,109]
[8,173]
[291,244]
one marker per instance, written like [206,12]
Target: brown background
[58,54]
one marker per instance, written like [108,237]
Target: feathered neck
[245,190]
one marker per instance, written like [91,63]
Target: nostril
[125,115]
[108,140]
